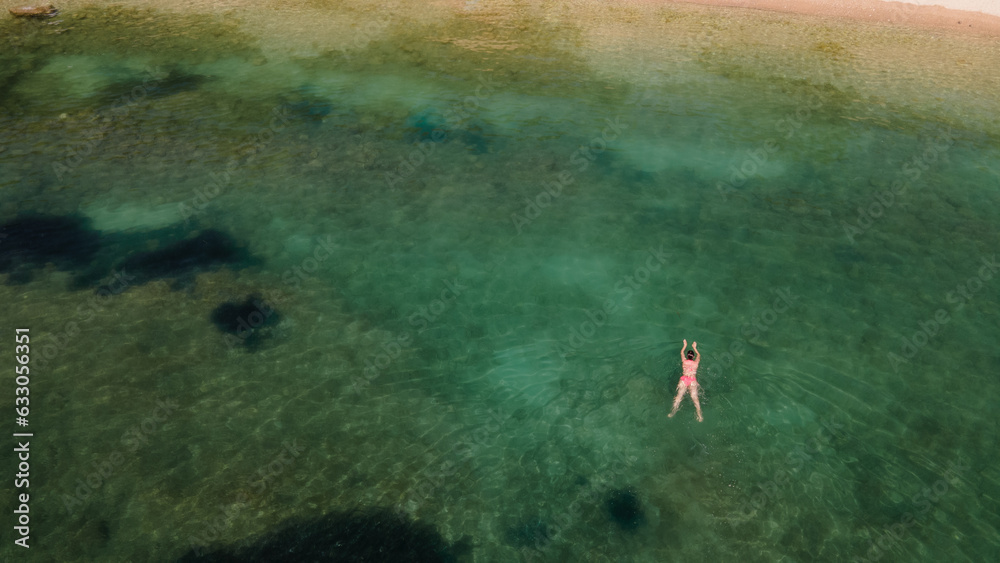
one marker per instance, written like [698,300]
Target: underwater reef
[246,323]
[31,242]
[181,260]
[345,537]
[625,509]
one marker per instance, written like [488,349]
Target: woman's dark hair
[690,354]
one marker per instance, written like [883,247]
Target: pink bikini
[690,369]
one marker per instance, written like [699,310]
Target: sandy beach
[965,16]
[979,17]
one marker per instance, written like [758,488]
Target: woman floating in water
[688,380]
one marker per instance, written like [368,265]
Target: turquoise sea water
[483,265]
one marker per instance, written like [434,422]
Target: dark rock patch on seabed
[625,509]
[246,323]
[30,242]
[44,10]
[348,537]
[180,261]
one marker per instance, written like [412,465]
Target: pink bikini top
[690,367]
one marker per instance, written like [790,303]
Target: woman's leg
[694,397]
[681,388]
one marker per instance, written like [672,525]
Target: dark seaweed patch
[307,105]
[33,242]
[625,509]
[11,75]
[173,82]
[246,323]
[355,537]
[421,126]
[430,125]
[181,260]
[475,140]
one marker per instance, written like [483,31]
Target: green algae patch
[102,51]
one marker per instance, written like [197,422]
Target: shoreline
[900,54]
[874,11]
[974,17]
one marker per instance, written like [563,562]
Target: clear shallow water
[490,368]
